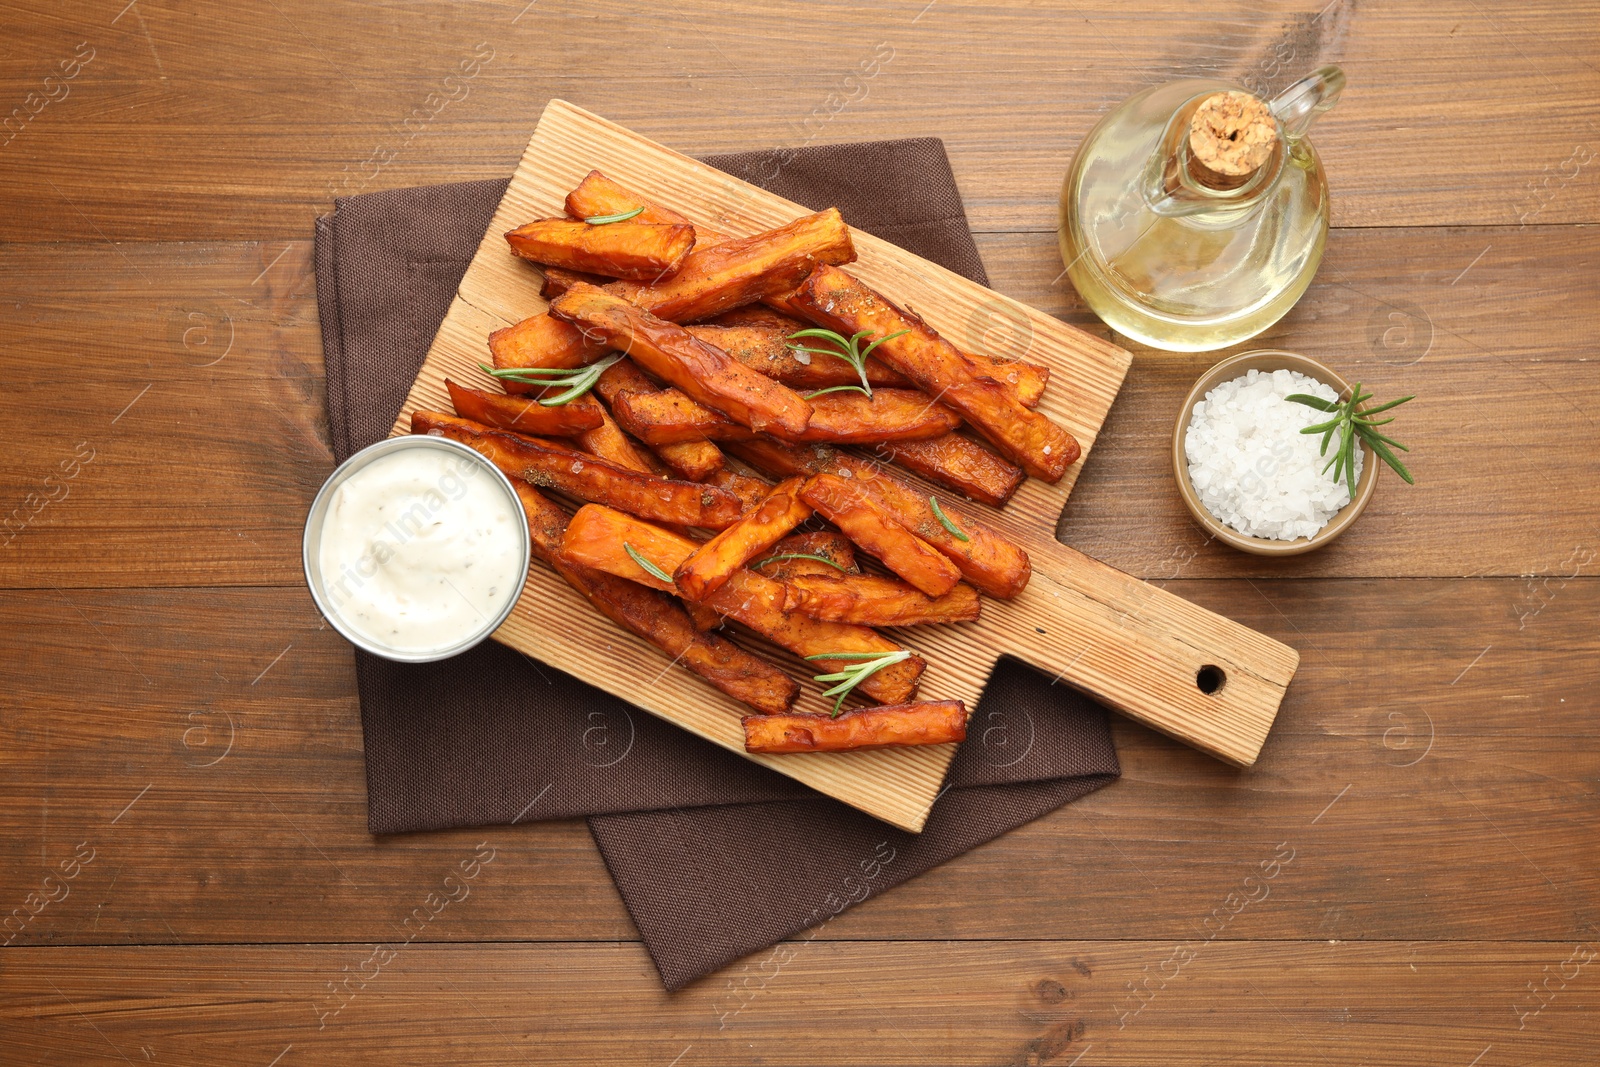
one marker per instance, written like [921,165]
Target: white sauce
[420,550]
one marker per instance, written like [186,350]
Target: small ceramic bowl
[1266,360]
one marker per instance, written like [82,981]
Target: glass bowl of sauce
[416,548]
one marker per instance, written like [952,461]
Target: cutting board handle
[1174,666]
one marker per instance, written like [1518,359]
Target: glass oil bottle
[1195,213]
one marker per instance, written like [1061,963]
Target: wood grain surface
[172,705]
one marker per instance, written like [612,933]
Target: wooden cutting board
[1138,648]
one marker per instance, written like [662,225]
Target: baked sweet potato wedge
[818,552]
[609,442]
[695,460]
[962,465]
[1023,436]
[757,530]
[541,341]
[657,618]
[712,280]
[600,195]
[988,560]
[758,315]
[761,345]
[704,372]
[1026,380]
[599,537]
[557,281]
[870,600]
[667,416]
[640,251]
[874,528]
[766,350]
[525,416]
[720,276]
[549,465]
[750,490]
[935,722]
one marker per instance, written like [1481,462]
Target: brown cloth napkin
[715,857]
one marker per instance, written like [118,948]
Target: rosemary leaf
[578,380]
[849,350]
[850,677]
[944,520]
[1312,401]
[799,555]
[650,568]
[621,216]
[840,389]
[1392,460]
[1387,406]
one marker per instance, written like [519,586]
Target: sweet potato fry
[711,280]
[750,490]
[1025,437]
[598,537]
[668,416]
[986,559]
[723,276]
[872,527]
[557,281]
[936,722]
[868,600]
[662,418]
[758,315]
[525,416]
[549,465]
[758,337]
[757,530]
[767,351]
[666,350]
[609,442]
[599,195]
[541,341]
[963,465]
[1027,380]
[641,251]
[694,460]
[798,554]
[657,618]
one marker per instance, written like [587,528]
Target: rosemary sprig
[799,555]
[578,380]
[871,663]
[621,216]
[849,349]
[939,514]
[650,568]
[1351,425]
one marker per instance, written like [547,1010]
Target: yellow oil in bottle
[1171,262]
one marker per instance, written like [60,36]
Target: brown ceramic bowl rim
[1266,359]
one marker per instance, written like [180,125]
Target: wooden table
[1409,876]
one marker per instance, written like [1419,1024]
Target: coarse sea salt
[1252,467]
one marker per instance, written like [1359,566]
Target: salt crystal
[1252,467]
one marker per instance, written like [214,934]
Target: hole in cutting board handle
[1210,678]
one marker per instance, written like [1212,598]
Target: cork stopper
[1231,136]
